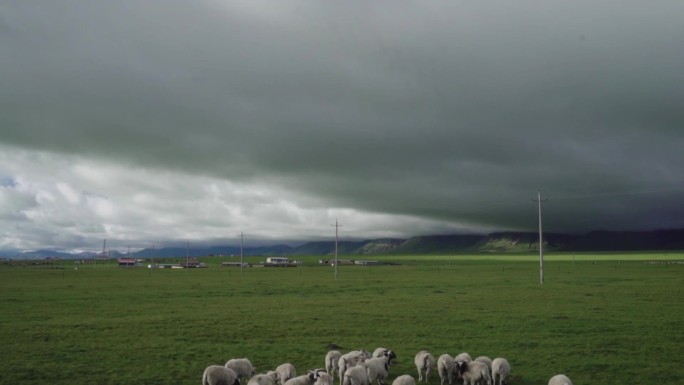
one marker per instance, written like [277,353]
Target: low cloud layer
[165,121]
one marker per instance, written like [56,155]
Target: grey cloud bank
[167,120]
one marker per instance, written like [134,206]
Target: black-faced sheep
[404,379]
[424,361]
[241,366]
[384,352]
[445,368]
[356,375]
[473,372]
[500,370]
[305,379]
[285,372]
[560,379]
[322,377]
[332,359]
[377,369]
[219,375]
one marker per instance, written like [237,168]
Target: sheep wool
[404,379]
[356,375]
[304,379]
[241,366]
[473,372]
[349,360]
[323,378]
[285,372]
[262,379]
[500,370]
[485,360]
[219,375]
[377,369]
[332,359]
[424,361]
[384,352]
[445,368]
[465,357]
[560,379]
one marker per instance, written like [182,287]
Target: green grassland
[599,318]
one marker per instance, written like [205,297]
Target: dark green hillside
[380,246]
[438,244]
[327,248]
[522,242]
[501,242]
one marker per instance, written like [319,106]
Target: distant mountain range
[502,242]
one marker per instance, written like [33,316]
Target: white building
[278,260]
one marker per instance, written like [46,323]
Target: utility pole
[104,250]
[153,255]
[337,226]
[242,242]
[187,256]
[541,240]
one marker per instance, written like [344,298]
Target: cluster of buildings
[270,262]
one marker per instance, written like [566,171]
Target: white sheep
[377,369]
[273,374]
[332,359]
[485,360]
[241,366]
[263,379]
[475,372]
[219,375]
[560,379]
[465,357]
[285,372]
[384,352]
[445,368]
[424,361]
[350,359]
[404,379]
[304,379]
[500,369]
[356,375]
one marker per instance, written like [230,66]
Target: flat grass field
[598,318]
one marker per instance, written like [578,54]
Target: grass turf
[599,318]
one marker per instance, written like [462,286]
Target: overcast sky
[164,121]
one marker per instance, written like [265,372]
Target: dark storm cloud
[454,111]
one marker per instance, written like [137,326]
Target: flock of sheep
[360,367]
